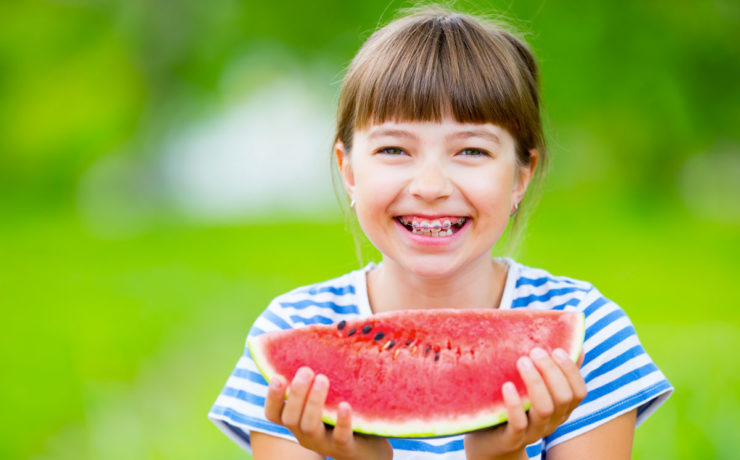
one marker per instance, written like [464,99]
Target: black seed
[379,336]
[366,329]
[408,342]
[426,350]
[341,325]
[436,356]
[352,332]
[390,345]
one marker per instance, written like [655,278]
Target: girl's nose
[430,182]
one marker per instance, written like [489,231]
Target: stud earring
[352,204]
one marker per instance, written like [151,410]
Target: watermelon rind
[488,417]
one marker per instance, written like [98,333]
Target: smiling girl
[438,139]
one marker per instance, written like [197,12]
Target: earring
[352,203]
[515,211]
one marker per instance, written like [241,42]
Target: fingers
[342,433]
[311,423]
[573,376]
[542,405]
[517,419]
[275,399]
[293,408]
[557,384]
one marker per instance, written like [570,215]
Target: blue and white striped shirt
[619,374]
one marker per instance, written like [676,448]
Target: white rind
[419,428]
[580,334]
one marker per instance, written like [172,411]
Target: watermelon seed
[378,336]
[352,332]
[413,349]
[341,325]
[449,345]
[395,354]
[426,350]
[389,345]
[366,329]
[408,342]
[436,356]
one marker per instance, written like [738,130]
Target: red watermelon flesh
[419,373]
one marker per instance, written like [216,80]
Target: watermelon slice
[420,373]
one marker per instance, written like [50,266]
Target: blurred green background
[164,174]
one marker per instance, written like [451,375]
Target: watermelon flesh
[420,373]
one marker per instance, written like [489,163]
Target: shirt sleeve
[240,407]
[619,374]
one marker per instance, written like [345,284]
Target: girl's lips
[428,223]
[429,240]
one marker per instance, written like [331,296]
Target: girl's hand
[555,387]
[301,414]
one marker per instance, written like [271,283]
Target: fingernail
[320,382]
[561,355]
[525,363]
[509,389]
[275,384]
[303,375]
[538,353]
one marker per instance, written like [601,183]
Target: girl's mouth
[435,227]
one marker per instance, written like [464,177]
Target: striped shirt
[619,374]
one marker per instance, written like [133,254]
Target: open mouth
[438,227]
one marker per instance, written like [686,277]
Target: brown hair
[435,62]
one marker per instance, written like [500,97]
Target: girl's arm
[610,441]
[266,447]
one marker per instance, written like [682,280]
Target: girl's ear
[524,176]
[345,168]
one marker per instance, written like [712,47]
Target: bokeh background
[164,174]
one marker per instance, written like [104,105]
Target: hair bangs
[438,68]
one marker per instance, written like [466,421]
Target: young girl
[438,137]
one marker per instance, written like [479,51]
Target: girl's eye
[391,151]
[472,153]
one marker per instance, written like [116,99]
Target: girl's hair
[435,62]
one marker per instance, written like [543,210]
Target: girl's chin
[431,267]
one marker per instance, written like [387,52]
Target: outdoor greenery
[119,331]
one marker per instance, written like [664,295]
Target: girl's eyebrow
[484,133]
[393,132]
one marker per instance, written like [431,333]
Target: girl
[438,138]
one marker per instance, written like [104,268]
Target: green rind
[443,427]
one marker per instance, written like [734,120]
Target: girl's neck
[391,287]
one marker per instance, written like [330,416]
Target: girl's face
[434,197]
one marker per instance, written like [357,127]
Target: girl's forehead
[447,127]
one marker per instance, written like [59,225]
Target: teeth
[436,227]
[419,231]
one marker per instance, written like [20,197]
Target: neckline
[363,300]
